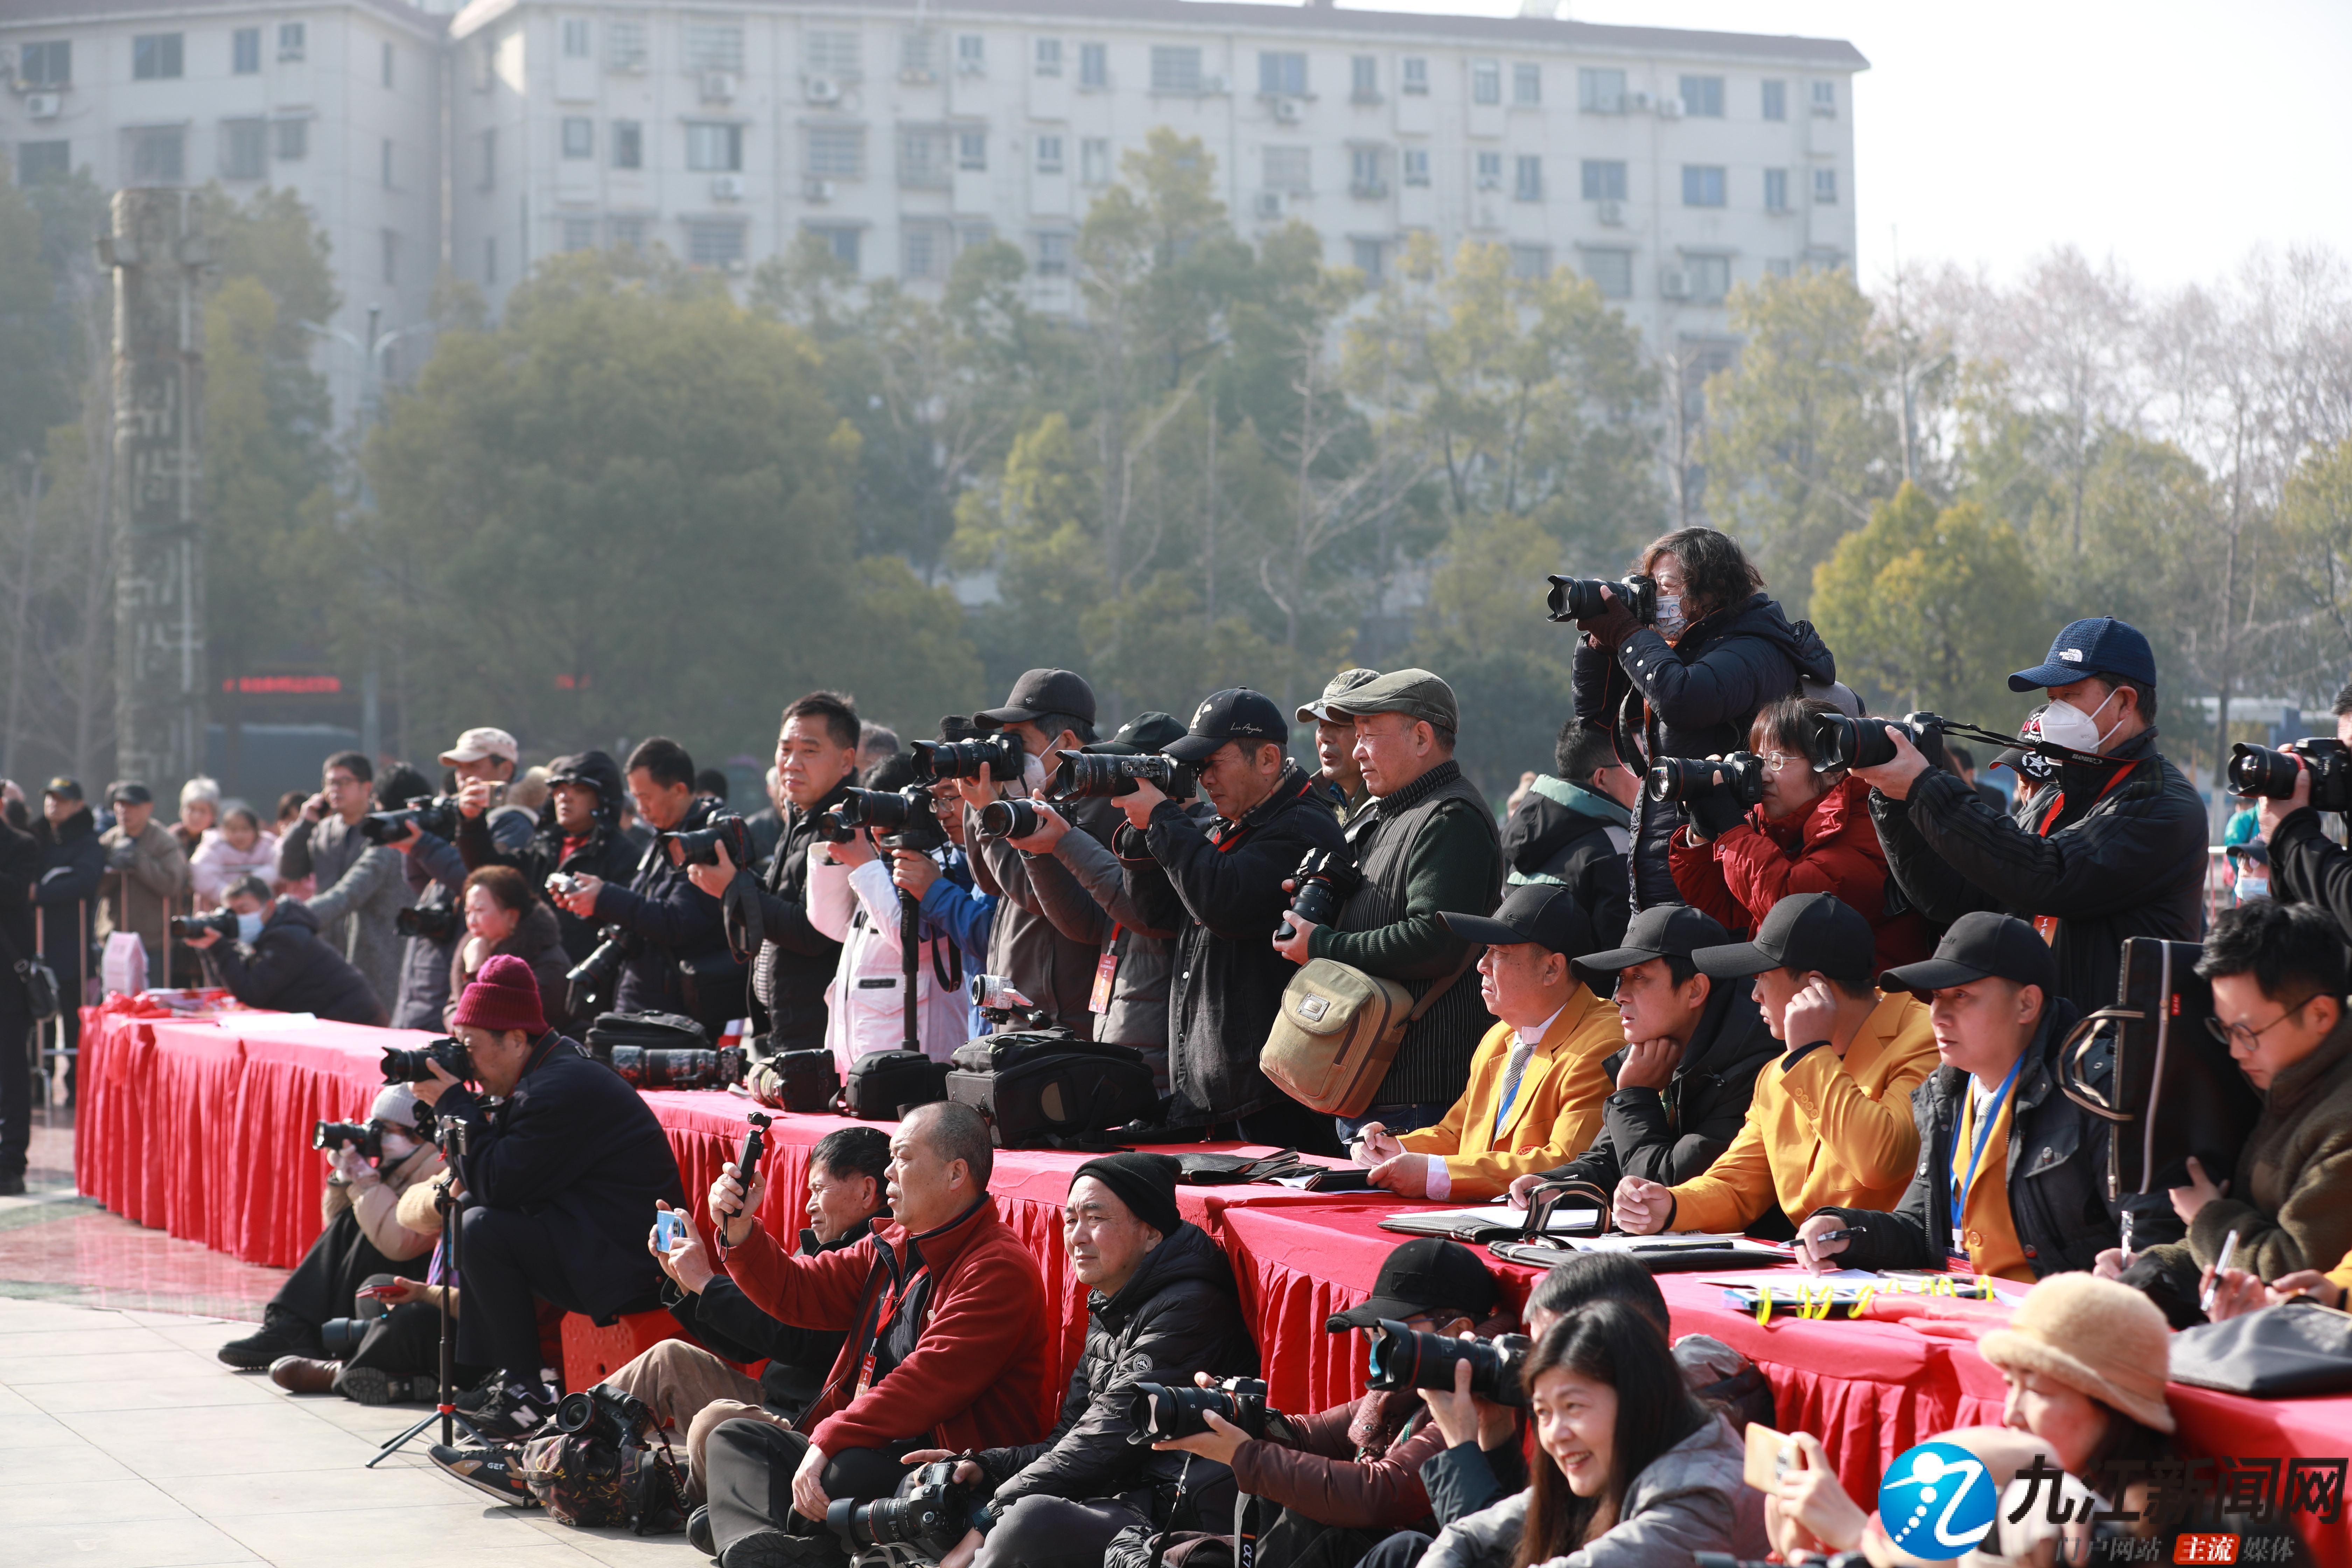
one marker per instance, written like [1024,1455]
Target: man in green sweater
[1427,843]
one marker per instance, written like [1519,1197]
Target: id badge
[1105,970]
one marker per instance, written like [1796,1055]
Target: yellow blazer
[1555,1115]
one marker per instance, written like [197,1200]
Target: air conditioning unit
[1670,108]
[1613,214]
[1269,204]
[817,190]
[717,87]
[1286,111]
[821,90]
[43,105]
[1673,283]
[726,188]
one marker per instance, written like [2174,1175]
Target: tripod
[452,1209]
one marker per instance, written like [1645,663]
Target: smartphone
[381,1293]
[670,1229]
[1770,1456]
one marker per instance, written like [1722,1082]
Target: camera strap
[892,1300]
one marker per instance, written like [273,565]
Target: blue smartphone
[670,1229]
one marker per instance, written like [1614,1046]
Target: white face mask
[2063,724]
[398,1146]
[2253,888]
[1032,774]
[249,927]
[1670,616]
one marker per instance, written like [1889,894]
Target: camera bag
[796,1080]
[1337,1031]
[1037,1089]
[885,1085]
[585,1481]
[2296,1350]
[652,1031]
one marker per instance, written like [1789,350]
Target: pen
[1847,1234]
[2220,1267]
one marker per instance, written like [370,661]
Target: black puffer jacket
[1564,833]
[605,855]
[1180,1314]
[290,969]
[795,960]
[668,920]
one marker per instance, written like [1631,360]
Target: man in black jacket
[20,864]
[2307,865]
[2011,1181]
[578,834]
[1575,828]
[280,961]
[73,864]
[2112,847]
[1221,889]
[1692,1048]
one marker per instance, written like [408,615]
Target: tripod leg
[909,923]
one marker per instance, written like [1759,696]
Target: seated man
[946,1315]
[1160,1302]
[279,962]
[1831,1120]
[1536,1081]
[2012,1175]
[691,1389]
[1693,1049]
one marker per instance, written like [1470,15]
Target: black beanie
[1145,1183]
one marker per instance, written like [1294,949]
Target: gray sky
[2172,135]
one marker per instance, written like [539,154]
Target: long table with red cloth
[201,1127]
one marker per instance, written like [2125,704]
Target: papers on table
[1485,1223]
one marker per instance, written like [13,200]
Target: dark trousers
[334,1269]
[751,1481]
[510,1257]
[1402,1550]
[406,1343]
[16,1078]
[1040,1531]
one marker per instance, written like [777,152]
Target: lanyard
[2047,926]
[1963,1181]
[892,1300]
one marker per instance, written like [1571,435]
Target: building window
[155,57]
[1825,100]
[1775,100]
[1778,267]
[1825,187]
[1702,96]
[1094,161]
[243,149]
[1049,155]
[1416,165]
[1282,71]
[834,152]
[841,240]
[1526,181]
[1709,277]
[1175,68]
[45,65]
[1599,90]
[971,150]
[244,52]
[1049,56]
[833,52]
[716,146]
[578,136]
[1603,180]
[922,156]
[1776,190]
[1052,256]
[385,161]
[490,159]
[1532,262]
[1368,173]
[1413,74]
[1093,65]
[628,145]
[1367,255]
[713,46]
[1527,85]
[292,41]
[580,233]
[713,242]
[625,48]
[387,63]
[293,139]
[490,260]
[916,53]
[1364,78]
[922,251]
[156,157]
[1289,169]
[1486,81]
[971,59]
[1613,270]
[38,160]
[1702,184]
[625,233]
[390,244]
[576,47]
[1490,170]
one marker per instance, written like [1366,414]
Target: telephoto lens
[1739,775]
[433,922]
[221,920]
[1407,1358]
[2260,770]
[438,818]
[411,1064]
[360,1135]
[882,808]
[681,1067]
[1084,774]
[1579,598]
[1163,1412]
[1008,820]
[700,846]
[1835,741]
[996,755]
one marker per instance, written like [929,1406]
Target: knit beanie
[2102,1339]
[1146,1183]
[504,995]
[396,1103]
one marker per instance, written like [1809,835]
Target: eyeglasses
[1781,762]
[2239,1038]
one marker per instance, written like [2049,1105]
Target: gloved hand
[1715,814]
[1613,626]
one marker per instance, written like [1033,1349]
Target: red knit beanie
[504,995]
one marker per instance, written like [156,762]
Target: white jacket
[216,863]
[858,907]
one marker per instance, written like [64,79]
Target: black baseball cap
[1662,931]
[1545,913]
[1427,1274]
[64,788]
[1150,731]
[1805,932]
[129,791]
[1236,713]
[1980,943]
[1039,693]
[2101,646]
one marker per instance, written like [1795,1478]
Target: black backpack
[1046,1087]
[885,1085]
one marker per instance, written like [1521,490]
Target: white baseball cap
[474,744]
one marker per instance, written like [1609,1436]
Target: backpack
[1044,1088]
[585,1481]
[885,1085]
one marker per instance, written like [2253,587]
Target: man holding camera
[358,883]
[435,870]
[578,834]
[277,961]
[2112,847]
[146,873]
[2305,864]
[1425,845]
[1340,783]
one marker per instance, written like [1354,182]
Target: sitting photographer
[1574,828]
[504,916]
[1160,1302]
[435,870]
[2111,848]
[1535,1081]
[578,834]
[1688,1072]
[1340,779]
[1811,834]
[946,1318]
[1718,652]
[560,1173]
[359,888]
[277,961]
[363,1237]
[2307,865]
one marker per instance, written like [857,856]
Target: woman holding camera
[1811,833]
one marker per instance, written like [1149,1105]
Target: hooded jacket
[289,968]
[605,854]
[1566,833]
[536,941]
[668,920]
[73,863]
[1179,1314]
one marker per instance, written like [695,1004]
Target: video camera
[1163,1412]
[1001,1004]
[437,815]
[1407,1358]
[903,816]
[2271,772]
[1326,880]
[433,922]
[1579,598]
[221,920]
[700,846]
[411,1064]
[680,1066]
[1739,775]
[931,1517]
[605,1413]
[364,1136]
[995,755]
[1098,774]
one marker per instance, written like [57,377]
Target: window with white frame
[1364,78]
[1602,179]
[713,46]
[628,138]
[1368,172]
[1094,161]
[1486,81]
[1709,277]
[1526,84]
[836,151]
[1776,190]
[923,156]
[1531,263]
[922,251]
[578,136]
[490,259]
[1703,184]
[1053,250]
[1825,187]
[843,240]
[625,45]
[1600,89]
[1282,71]
[158,156]
[971,150]
[1489,170]
[45,65]
[1776,98]
[155,57]
[918,53]
[714,146]
[1825,100]
[1049,155]
[1413,74]
[1289,169]
[628,231]
[290,138]
[578,46]
[580,233]
[1369,256]
[1093,65]
[1702,96]
[491,158]
[713,242]
[243,149]
[833,52]
[972,53]
[388,244]
[292,41]
[1048,56]
[1526,178]
[244,52]
[1175,68]
[1613,270]
[1413,165]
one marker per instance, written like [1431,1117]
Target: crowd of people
[1828,1011]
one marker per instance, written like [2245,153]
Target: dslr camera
[699,846]
[1836,740]
[404,1064]
[588,985]
[433,922]
[680,1066]
[1008,820]
[995,755]
[904,818]
[221,920]
[1579,598]
[364,1136]
[428,814]
[1406,1358]
[563,884]
[1163,1412]
[1326,880]
[930,1519]
[1084,774]
[605,1413]
[1738,776]
[2271,773]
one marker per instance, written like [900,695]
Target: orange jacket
[1554,1117]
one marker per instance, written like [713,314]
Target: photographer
[946,1316]
[559,1172]
[2307,865]
[1811,833]
[1160,1302]
[435,870]
[278,961]
[578,834]
[1574,828]
[1719,650]
[503,915]
[2110,850]
[1341,782]
[1425,845]
[360,888]
[944,885]
[146,874]
[1219,888]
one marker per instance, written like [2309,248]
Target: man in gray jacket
[361,887]
[146,875]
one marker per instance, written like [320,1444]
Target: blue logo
[1938,1501]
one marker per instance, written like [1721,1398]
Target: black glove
[1613,626]
[1716,813]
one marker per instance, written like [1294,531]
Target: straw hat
[2100,1339]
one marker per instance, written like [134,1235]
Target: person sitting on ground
[279,962]
[398,1357]
[1536,1081]
[1687,1071]
[946,1317]
[1831,1120]
[1576,829]
[504,915]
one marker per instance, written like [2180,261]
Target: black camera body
[1407,1358]
[2271,772]
[433,814]
[433,922]
[404,1064]
[1326,880]
[904,818]
[995,755]
[588,985]
[1579,598]
[699,846]
[364,1136]
[607,1412]
[1108,776]
[931,1517]
[1163,1412]
[1836,740]
[680,1066]
[1739,775]
[221,920]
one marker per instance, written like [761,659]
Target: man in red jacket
[945,1311]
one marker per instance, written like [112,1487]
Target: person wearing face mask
[1691,685]
[278,961]
[2110,847]
[2250,866]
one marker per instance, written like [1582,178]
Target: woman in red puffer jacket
[1811,834]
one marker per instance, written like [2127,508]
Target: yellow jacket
[1824,1131]
[1555,1114]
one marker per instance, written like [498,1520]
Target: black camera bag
[883,1085]
[1042,1088]
[652,1031]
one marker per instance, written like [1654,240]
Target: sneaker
[488,1471]
[513,1412]
[281,1334]
[775,1548]
[373,1385]
[697,1532]
[467,1401]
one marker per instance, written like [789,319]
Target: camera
[903,816]
[437,815]
[404,1064]
[1097,774]
[832,830]
[221,920]
[1740,775]
[1406,1358]
[1836,740]
[1326,879]
[605,1413]
[2262,771]
[1163,1412]
[342,1336]
[996,998]
[362,1135]
[700,846]
[679,1067]
[1579,598]
[563,884]
[433,922]
[1008,820]
[995,755]
[588,985]
[931,1517]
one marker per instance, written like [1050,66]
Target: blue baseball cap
[2104,646]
